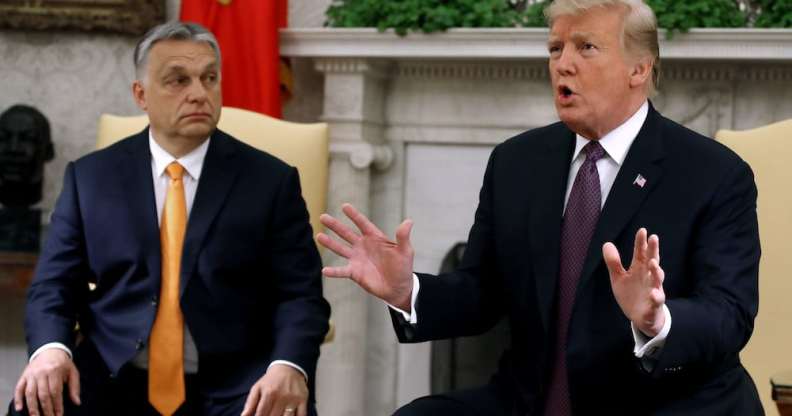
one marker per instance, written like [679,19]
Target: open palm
[379,265]
[639,289]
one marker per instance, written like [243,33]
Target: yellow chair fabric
[304,146]
[769,152]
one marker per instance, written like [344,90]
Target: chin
[199,131]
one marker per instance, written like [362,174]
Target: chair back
[769,152]
[304,146]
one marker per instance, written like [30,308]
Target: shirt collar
[618,141]
[192,162]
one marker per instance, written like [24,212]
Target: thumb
[403,235]
[612,260]
[74,384]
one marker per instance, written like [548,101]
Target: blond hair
[639,35]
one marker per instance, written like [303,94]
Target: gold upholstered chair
[769,152]
[304,146]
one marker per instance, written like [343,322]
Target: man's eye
[177,81]
[554,49]
[588,46]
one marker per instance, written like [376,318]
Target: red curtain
[247,31]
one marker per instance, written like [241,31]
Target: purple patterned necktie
[580,219]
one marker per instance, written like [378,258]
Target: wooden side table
[782,392]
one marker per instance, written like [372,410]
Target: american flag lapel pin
[639,181]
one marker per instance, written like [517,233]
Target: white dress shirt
[193,165]
[616,144]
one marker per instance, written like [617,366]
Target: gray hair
[639,37]
[173,30]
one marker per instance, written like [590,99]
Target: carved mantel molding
[520,44]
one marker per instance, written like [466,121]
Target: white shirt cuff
[49,346]
[290,364]
[412,318]
[646,347]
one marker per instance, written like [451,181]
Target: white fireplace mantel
[527,43]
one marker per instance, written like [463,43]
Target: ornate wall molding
[501,71]
[132,17]
[373,68]
[524,43]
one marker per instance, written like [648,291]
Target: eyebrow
[576,37]
[181,68]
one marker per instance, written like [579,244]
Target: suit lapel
[139,186]
[545,218]
[626,196]
[217,177]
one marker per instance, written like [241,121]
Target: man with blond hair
[559,209]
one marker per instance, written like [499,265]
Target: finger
[403,235]
[654,247]
[336,247]
[338,271]
[639,249]
[30,397]
[339,228]
[658,297]
[278,409]
[74,385]
[657,274]
[45,397]
[361,221]
[302,409]
[19,393]
[612,260]
[251,402]
[55,384]
[264,405]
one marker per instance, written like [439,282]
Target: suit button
[154,300]
[139,345]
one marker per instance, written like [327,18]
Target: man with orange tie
[208,297]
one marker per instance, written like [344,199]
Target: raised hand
[639,290]
[380,266]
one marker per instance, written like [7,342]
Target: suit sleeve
[60,283]
[468,301]
[301,315]
[716,320]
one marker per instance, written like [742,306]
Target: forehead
[183,53]
[597,21]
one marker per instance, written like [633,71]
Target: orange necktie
[166,344]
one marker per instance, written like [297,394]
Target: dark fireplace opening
[466,362]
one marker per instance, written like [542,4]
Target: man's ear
[139,94]
[641,72]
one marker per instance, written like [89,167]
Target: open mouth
[565,91]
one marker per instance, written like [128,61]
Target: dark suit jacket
[699,198]
[251,287]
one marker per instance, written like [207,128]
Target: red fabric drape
[247,31]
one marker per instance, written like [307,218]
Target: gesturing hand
[380,266]
[639,290]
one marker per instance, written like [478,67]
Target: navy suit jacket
[699,198]
[251,288]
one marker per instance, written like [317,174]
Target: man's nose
[565,64]
[197,91]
